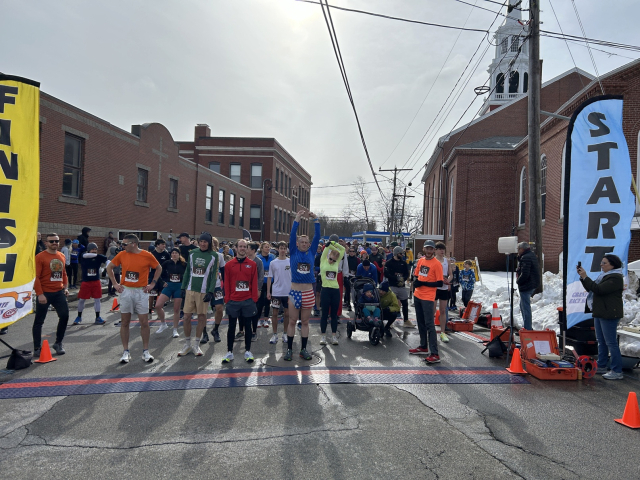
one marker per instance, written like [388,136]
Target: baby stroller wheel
[350,328]
[374,336]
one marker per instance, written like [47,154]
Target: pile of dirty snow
[495,288]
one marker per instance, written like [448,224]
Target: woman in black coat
[604,302]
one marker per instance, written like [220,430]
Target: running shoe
[163,326]
[254,337]
[285,339]
[205,337]
[228,358]
[186,348]
[126,356]
[175,333]
[444,338]
[36,353]
[408,324]
[58,348]
[299,324]
[432,359]
[116,324]
[609,376]
[388,333]
[323,340]
[216,336]
[334,340]
[181,315]
[260,323]
[248,357]
[239,335]
[266,323]
[274,339]
[146,356]
[77,321]
[99,321]
[305,355]
[196,349]
[418,351]
[288,356]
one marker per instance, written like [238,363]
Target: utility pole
[535,75]
[404,198]
[395,171]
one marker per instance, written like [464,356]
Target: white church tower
[509,75]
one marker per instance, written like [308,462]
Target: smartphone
[579,265]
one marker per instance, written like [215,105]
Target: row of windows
[235,173]
[297,196]
[282,221]
[515,44]
[208,208]
[514,82]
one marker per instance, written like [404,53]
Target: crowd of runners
[256,284]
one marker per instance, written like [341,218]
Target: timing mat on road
[262,377]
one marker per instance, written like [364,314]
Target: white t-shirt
[445,272]
[280,273]
[220,265]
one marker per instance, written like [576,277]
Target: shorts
[172,290]
[92,289]
[443,295]
[134,300]
[317,286]
[277,302]
[218,297]
[304,299]
[401,293]
[245,308]
[194,303]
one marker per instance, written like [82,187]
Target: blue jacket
[467,279]
[372,273]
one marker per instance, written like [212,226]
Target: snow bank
[544,306]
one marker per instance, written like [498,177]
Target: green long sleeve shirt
[202,271]
[329,270]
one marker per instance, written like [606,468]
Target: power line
[566,42]
[343,185]
[604,43]
[489,10]
[584,35]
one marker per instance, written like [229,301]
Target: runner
[330,295]
[442,294]
[171,280]
[198,284]
[135,288]
[428,274]
[278,287]
[302,297]
[185,248]
[252,255]
[263,304]
[352,265]
[162,255]
[51,287]
[396,271]
[217,302]
[90,287]
[240,295]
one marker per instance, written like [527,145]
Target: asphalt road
[543,430]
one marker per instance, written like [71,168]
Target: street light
[263,201]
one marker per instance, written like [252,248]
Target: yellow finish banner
[19,194]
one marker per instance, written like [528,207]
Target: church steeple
[509,69]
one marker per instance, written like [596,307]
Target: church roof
[494,143]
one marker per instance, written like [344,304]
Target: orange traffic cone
[45,353]
[114,306]
[516,364]
[631,416]
[437,321]
[496,321]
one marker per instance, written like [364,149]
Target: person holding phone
[528,280]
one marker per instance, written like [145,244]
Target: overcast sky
[266,68]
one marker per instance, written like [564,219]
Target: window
[277,179]
[514,79]
[215,166]
[543,184]
[523,198]
[504,45]
[515,43]
[234,172]
[143,181]
[256,175]
[220,206]
[275,219]
[232,209]
[451,209]
[254,221]
[207,204]
[525,82]
[72,178]
[241,213]
[279,220]
[281,181]
[500,83]
[173,193]
[289,187]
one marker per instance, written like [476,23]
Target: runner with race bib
[278,287]
[171,281]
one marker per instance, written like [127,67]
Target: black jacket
[607,296]
[83,238]
[397,272]
[528,271]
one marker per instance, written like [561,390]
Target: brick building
[475,183]
[278,183]
[97,175]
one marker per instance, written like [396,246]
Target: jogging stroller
[360,322]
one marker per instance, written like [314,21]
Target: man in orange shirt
[51,287]
[428,274]
[134,291]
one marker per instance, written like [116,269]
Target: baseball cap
[429,243]
[397,251]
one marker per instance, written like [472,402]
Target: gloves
[183,293]
[207,298]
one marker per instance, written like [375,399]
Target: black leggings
[390,317]
[347,291]
[263,303]
[329,299]
[231,332]
[59,301]
[74,274]
[405,309]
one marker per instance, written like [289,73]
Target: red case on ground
[460,326]
[528,351]
[472,312]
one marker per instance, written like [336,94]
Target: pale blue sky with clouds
[266,68]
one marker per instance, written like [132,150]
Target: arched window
[525,83]
[523,196]
[514,79]
[451,209]
[515,43]
[504,44]
[500,83]
[543,184]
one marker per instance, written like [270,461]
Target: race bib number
[174,277]
[266,274]
[91,272]
[304,268]
[275,303]
[465,278]
[153,293]
[424,271]
[56,277]
[132,277]
[198,272]
[219,295]
[352,272]
[242,286]
[330,275]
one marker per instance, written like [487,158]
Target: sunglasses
[332,260]
[126,244]
[53,241]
